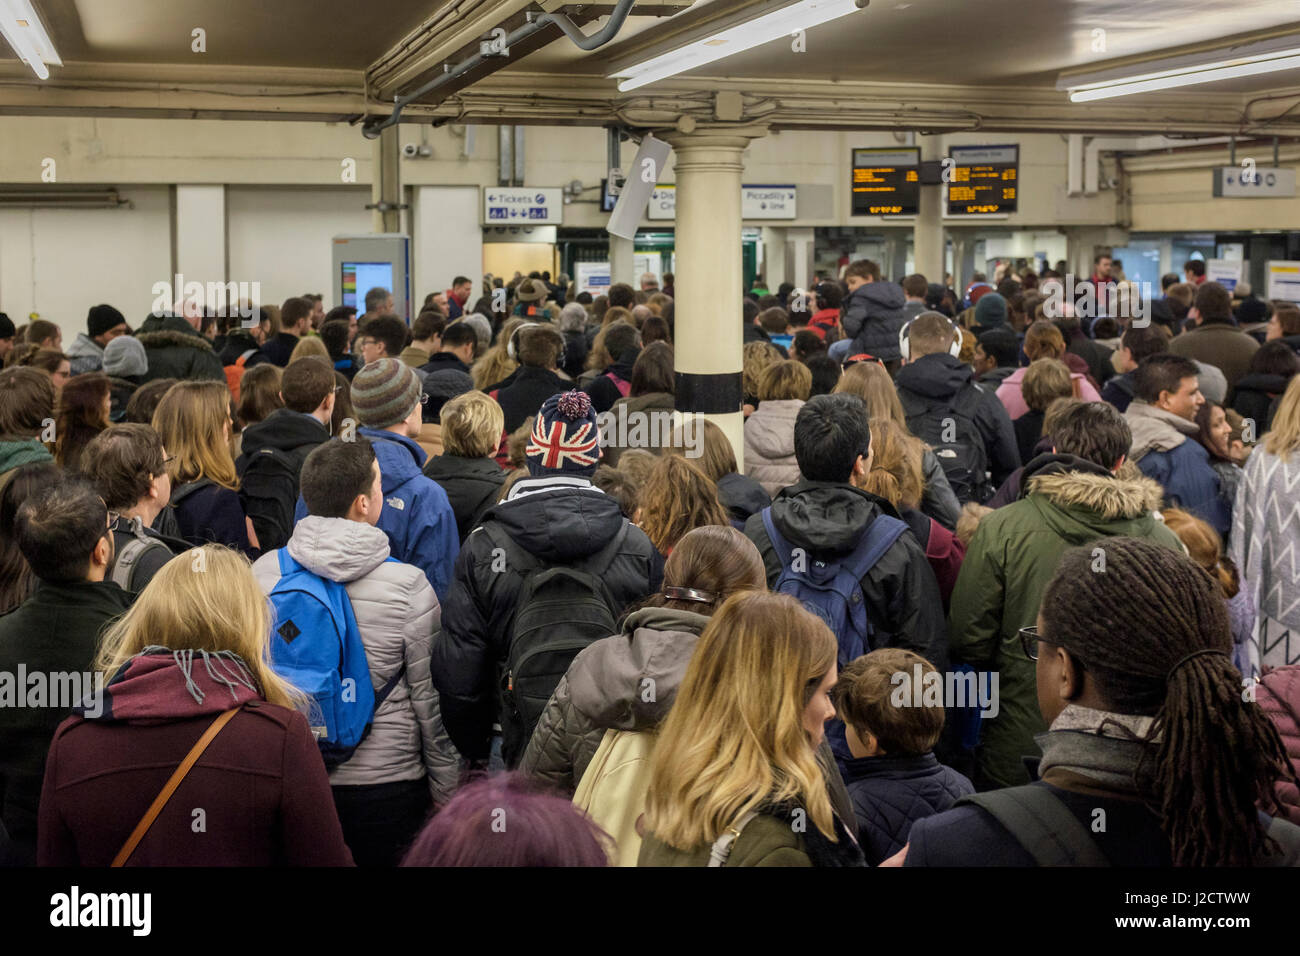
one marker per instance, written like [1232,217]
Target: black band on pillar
[720,394]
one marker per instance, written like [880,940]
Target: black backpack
[963,458]
[268,490]
[561,610]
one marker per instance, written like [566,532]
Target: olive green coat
[1007,567]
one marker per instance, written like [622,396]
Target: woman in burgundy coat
[193,646]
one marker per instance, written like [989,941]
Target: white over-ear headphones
[905,343]
[512,347]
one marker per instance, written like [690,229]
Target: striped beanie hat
[384,392]
[565,438]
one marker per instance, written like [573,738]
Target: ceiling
[363,56]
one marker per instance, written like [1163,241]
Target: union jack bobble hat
[565,438]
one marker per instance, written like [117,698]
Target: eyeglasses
[168,460]
[112,518]
[1029,639]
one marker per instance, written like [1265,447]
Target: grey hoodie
[1155,429]
[625,682]
[85,354]
[398,616]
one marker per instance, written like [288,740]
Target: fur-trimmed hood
[165,339]
[1111,498]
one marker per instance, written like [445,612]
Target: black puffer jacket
[873,317]
[174,354]
[604,689]
[891,793]
[558,519]
[472,486]
[901,593]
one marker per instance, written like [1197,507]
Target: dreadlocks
[1137,629]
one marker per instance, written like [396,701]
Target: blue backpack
[833,591]
[316,646]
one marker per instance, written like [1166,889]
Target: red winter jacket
[1278,692]
[258,796]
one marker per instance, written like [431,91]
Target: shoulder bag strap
[1042,824]
[169,788]
[721,849]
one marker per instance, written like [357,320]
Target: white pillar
[201,236]
[387,185]
[799,256]
[773,267]
[708,317]
[928,240]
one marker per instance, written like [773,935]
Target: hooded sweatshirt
[85,354]
[604,689]
[1167,449]
[261,782]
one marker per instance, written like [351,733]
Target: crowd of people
[357,591]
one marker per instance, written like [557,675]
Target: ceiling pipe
[372,127]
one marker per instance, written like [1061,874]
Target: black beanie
[102,318]
[7,330]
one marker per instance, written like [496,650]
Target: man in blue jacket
[417,517]
[1166,445]
[873,315]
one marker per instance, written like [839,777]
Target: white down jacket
[769,445]
[398,615]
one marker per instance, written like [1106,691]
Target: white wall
[447,239]
[59,262]
[280,237]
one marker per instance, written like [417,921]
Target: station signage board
[519,205]
[983,180]
[886,182]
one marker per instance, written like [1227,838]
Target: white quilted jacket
[398,615]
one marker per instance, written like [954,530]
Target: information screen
[360,277]
[983,179]
[886,182]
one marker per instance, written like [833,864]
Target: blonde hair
[496,363]
[734,739]
[309,345]
[1204,547]
[471,426]
[871,383]
[1046,380]
[1284,436]
[783,381]
[896,473]
[676,497]
[204,599]
[759,356]
[969,521]
[191,420]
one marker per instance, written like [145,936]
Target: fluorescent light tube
[1227,69]
[20,25]
[745,36]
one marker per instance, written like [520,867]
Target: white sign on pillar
[1226,272]
[767,202]
[663,203]
[518,205]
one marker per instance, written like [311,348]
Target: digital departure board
[886,182]
[983,179]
